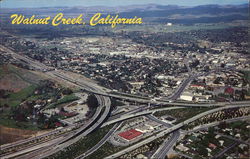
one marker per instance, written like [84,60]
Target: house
[211,145]
[198,86]
[221,142]
[208,150]
[182,148]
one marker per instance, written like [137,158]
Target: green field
[26,82]
[14,99]
[20,125]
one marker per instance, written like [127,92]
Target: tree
[67,91]
[203,152]
[222,125]
[92,101]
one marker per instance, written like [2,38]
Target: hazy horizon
[110,3]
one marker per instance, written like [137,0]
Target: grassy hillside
[14,79]
[21,90]
[18,84]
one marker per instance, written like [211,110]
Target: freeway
[100,93]
[168,143]
[137,109]
[87,86]
[126,116]
[152,117]
[37,65]
[168,101]
[87,127]
[96,89]
[172,129]
[100,143]
[205,126]
[94,122]
[106,104]
[74,137]
[176,94]
[202,127]
[35,148]
[160,102]
[102,100]
[133,115]
[33,139]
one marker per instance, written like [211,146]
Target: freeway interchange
[61,139]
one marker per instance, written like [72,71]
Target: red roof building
[211,145]
[229,90]
[130,134]
[198,86]
[58,124]
[67,114]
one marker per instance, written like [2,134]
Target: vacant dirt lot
[12,134]
[13,83]
[15,79]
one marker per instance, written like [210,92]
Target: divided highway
[100,143]
[76,132]
[133,115]
[172,129]
[168,143]
[98,118]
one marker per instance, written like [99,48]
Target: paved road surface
[170,130]
[225,150]
[100,143]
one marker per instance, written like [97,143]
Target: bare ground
[8,135]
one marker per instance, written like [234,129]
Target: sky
[71,3]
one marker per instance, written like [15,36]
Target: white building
[169,24]
[186,96]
